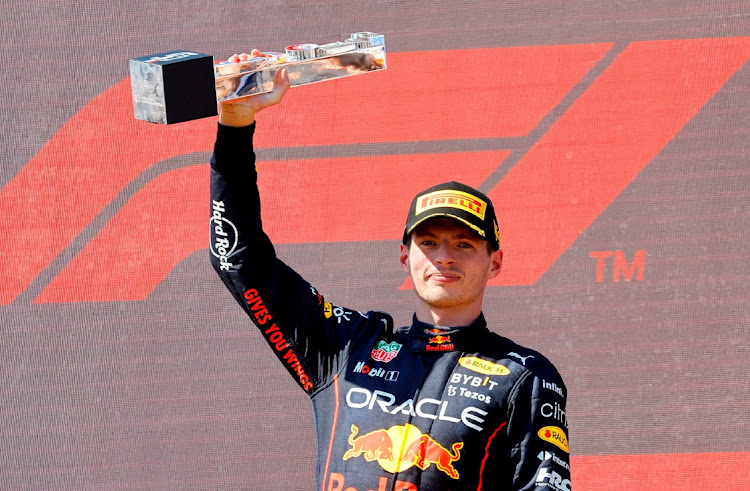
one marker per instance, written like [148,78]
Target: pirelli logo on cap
[451,199]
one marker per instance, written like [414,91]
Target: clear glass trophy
[183,85]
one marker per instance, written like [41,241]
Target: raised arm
[308,335]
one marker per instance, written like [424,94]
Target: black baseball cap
[460,202]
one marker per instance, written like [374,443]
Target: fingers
[235,58]
[280,85]
[248,106]
[281,79]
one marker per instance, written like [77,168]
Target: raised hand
[241,111]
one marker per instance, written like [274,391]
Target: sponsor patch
[469,394]
[384,351]
[554,411]
[451,199]
[389,375]
[483,366]
[522,358]
[428,408]
[543,456]
[440,339]
[555,436]
[553,387]
[400,447]
[224,236]
[551,479]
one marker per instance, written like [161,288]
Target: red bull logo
[400,447]
[337,482]
[442,344]
[375,445]
[426,451]
[440,339]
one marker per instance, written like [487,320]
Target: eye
[466,245]
[427,243]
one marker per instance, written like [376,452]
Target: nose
[444,255]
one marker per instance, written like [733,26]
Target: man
[443,404]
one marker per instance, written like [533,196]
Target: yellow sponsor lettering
[483,366]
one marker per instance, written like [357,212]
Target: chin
[440,300]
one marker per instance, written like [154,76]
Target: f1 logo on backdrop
[568,176]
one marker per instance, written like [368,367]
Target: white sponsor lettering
[545,455]
[469,394]
[340,313]
[473,381]
[435,409]
[552,479]
[554,411]
[171,56]
[553,387]
[390,375]
[473,395]
[223,236]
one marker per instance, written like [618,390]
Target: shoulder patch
[522,359]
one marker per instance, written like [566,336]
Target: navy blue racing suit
[419,407]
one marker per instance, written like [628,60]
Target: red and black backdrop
[613,137]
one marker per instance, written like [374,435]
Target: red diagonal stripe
[76,174]
[601,143]
[422,96]
[317,200]
[438,95]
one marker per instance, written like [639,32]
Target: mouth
[444,277]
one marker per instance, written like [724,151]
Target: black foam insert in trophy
[188,87]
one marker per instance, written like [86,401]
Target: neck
[451,317]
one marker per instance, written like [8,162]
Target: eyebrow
[458,236]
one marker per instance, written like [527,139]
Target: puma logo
[522,358]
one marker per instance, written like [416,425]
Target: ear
[404,259]
[496,263]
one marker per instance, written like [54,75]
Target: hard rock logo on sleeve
[224,236]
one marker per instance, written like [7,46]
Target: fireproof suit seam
[347,353]
[431,360]
[512,395]
[517,385]
[332,435]
[487,453]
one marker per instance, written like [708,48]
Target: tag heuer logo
[384,351]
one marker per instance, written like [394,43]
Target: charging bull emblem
[400,447]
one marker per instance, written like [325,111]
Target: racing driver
[442,404]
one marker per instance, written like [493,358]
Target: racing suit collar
[430,338]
